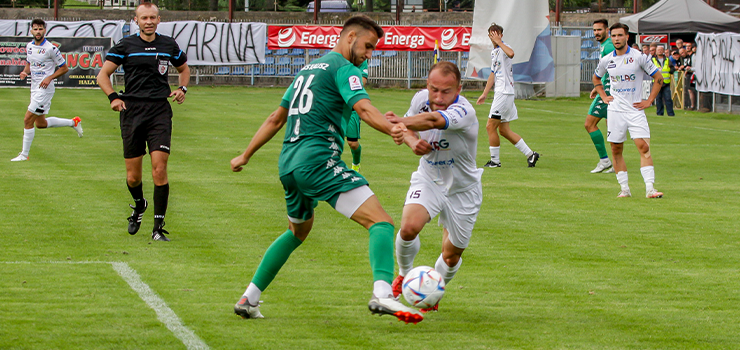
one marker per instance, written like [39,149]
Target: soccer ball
[423,287]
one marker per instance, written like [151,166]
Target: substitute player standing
[44,63]
[447,181]
[598,108]
[626,107]
[503,110]
[311,168]
[145,113]
[351,127]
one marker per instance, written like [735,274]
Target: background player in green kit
[598,107]
[352,128]
[311,169]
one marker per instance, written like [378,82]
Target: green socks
[381,251]
[598,138]
[356,155]
[275,257]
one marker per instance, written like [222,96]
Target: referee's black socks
[161,196]
[138,194]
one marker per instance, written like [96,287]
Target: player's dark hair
[363,21]
[620,26]
[446,68]
[38,22]
[496,28]
[602,21]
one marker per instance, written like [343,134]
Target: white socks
[494,152]
[623,180]
[253,294]
[447,272]
[382,289]
[54,122]
[28,135]
[648,174]
[522,147]
[405,253]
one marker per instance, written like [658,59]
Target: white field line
[164,313]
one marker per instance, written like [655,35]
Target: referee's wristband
[113,96]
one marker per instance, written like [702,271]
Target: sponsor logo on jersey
[355,83]
[449,39]
[628,60]
[286,37]
[150,48]
[611,65]
[626,77]
[441,145]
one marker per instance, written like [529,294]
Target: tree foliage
[29,3]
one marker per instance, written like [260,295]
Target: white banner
[217,43]
[526,26]
[717,63]
[95,28]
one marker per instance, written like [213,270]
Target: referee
[146,115]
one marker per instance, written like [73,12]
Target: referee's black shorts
[146,123]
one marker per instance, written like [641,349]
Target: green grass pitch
[556,260]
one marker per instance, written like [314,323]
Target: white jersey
[44,60]
[626,74]
[451,163]
[501,67]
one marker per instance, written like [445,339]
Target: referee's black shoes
[159,234]
[134,221]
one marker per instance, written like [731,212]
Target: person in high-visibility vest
[666,69]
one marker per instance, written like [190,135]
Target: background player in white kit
[626,68]
[44,63]
[447,182]
[503,109]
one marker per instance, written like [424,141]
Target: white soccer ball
[423,287]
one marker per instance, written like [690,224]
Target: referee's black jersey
[145,64]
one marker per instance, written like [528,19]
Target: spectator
[679,44]
[674,59]
[666,69]
[646,49]
[687,59]
[413,8]
[636,46]
[653,46]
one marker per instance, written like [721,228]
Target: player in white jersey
[44,63]
[626,68]
[503,109]
[447,181]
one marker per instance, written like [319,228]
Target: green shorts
[352,127]
[307,185]
[598,108]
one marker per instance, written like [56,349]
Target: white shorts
[503,108]
[457,212]
[40,101]
[619,123]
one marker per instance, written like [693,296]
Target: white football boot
[391,306]
[604,164]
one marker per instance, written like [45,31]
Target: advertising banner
[659,38]
[526,26]
[717,63]
[216,43]
[84,57]
[94,28]
[396,38]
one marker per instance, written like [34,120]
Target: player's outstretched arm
[370,115]
[266,132]
[419,146]
[422,121]
[116,103]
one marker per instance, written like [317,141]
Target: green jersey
[321,95]
[606,48]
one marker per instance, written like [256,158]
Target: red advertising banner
[660,39]
[396,38]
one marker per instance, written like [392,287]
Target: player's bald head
[146,6]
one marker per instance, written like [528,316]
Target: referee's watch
[184,89]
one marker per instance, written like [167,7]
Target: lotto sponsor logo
[286,37]
[620,78]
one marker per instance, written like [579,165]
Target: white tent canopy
[681,16]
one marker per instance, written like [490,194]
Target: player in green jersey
[352,128]
[598,107]
[311,169]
